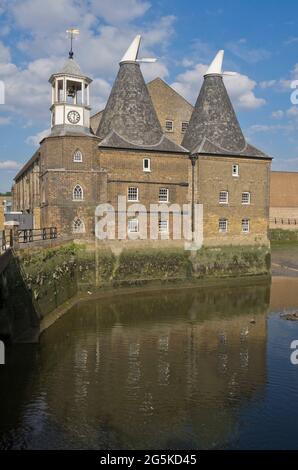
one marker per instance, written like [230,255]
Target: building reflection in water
[169,369]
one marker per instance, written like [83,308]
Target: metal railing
[10,237]
[283,221]
[35,235]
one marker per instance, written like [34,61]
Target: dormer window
[78,156]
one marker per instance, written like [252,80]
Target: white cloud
[160,32]
[5,120]
[100,91]
[241,49]
[293,111]
[27,91]
[98,49]
[151,71]
[34,140]
[263,128]
[118,11]
[189,83]
[277,114]
[9,165]
[282,84]
[240,87]
[49,17]
[4,53]
[267,84]
[291,40]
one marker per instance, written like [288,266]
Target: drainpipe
[193,159]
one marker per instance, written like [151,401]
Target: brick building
[284,200]
[151,146]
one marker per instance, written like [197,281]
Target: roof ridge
[171,88]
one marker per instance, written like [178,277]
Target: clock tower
[70,98]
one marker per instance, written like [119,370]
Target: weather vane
[72,33]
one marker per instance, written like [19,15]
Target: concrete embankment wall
[37,285]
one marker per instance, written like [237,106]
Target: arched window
[78,226]
[78,193]
[78,156]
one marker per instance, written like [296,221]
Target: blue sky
[260,40]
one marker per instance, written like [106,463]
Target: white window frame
[77,152]
[236,172]
[182,124]
[220,199]
[223,229]
[74,198]
[160,197]
[83,229]
[149,165]
[172,125]
[133,226]
[164,222]
[129,197]
[248,201]
[245,223]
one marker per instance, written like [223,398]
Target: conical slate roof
[129,110]
[214,118]
[214,127]
[129,119]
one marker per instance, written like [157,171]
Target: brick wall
[60,174]
[214,175]
[284,200]
[125,169]
[169,105]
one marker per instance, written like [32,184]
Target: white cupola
[70,96]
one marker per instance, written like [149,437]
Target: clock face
[73,117]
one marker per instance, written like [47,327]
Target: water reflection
[170,369]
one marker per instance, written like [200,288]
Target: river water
[175,369]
